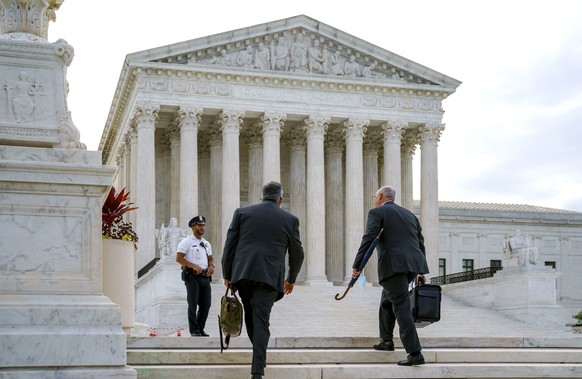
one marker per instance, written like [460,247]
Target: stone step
[369,371]
[142,357]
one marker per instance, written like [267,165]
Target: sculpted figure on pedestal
[522,248]
[22,93]
[169,238]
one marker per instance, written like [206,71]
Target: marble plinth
[526,293]
[54,319]
[161,296]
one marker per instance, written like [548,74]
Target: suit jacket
[257,241]
[401,246]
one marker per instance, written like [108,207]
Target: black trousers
[258,299]
[199,296]
[395,307]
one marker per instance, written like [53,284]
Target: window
[496,263]
[551,264]
[442,267]
[468,265]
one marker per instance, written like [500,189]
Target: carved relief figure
[335,66]
[280,59]
[352,68]
[245,57]
[262,57]
[521,247]
[368,72]
[298,54]
[222,59]
[316,59]
[22,95]
[169,238]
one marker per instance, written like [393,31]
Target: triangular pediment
[296,46]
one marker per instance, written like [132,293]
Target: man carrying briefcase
[401,259]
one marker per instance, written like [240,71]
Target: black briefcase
[425,301]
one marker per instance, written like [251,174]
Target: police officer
[194,254]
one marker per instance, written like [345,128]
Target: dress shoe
[204,334]
[384,345]
[256,376]
[412,361]
[196,334]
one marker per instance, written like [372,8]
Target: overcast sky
[513,128]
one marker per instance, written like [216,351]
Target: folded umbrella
[362,264]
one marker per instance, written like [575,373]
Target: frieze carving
[375,101]
[299,53]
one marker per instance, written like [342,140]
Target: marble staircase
[315,336]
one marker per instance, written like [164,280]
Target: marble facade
[198,126]
[54,319]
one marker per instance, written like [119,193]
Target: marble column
[132,136]
[146,116]
[354,204]
[407,153]
[297,188]
[163,169]
[429,206]
[254,140]
[204,188]
[174,184]
[213,222]
[393,130]
[272,126]
[230,121]
[370,187]
[315,128]
[334,205]
[189,119]
[121,170]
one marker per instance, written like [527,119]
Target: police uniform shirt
[196,251]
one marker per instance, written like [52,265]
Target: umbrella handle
[338,297]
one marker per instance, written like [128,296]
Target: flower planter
[117,275]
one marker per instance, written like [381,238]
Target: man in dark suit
[401,259]
[253,261]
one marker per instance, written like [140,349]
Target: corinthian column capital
[431,132]
[189,117]
[146,114]
[316,126]
[231,120]
[394,129]
[355,128]
[273,122]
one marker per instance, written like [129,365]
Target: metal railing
[465,276]
[147,267]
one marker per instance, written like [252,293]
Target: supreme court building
[197,127]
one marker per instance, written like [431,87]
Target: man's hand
[226,282]
[355,273]
[421,280]
[288,287]
[210,269]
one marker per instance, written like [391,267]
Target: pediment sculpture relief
[298,54]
